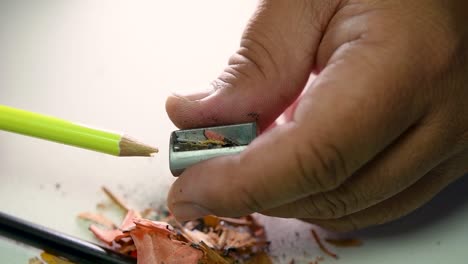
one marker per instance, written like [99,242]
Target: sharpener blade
[188,147]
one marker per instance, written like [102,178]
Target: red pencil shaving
[211,135]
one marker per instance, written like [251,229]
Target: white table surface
[111,64]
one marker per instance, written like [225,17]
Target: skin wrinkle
[352,196]
[235,69]
[309,176]
[334,207]
[262,37]
[312,172]
[344,209]
[247,41]
[220,83]
[339,165]
[244,52]
[377,106]
[324,50]
[412,130]
[230,73]
[387,196]
[303,51]
[320,24]
[378,31]
[444,173]
[296,184]
[315,208]
[334,6]
[275,62]
[333,166]
[327,176]
[285,97]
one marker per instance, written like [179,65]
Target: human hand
[380,131]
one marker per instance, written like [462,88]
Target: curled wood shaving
[97,218]
[117,200]
[196,236]
[235,221]
[322,247]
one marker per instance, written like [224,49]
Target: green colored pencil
[62,131]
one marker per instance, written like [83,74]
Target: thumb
[265,75]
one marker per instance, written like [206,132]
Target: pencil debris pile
[208,240]
[154,236]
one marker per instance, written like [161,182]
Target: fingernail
[192,96]
[189,211]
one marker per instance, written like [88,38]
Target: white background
[111,64]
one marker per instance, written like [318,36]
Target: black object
[59,244]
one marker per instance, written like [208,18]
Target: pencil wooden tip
[131,147]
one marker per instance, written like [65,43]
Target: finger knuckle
[326,206]
[355,199]
[321,167]
[339,205]
[255,56]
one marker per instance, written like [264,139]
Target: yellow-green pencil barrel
[62,131]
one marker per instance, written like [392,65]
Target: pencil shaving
[208,240]
[97,218]
[117,200]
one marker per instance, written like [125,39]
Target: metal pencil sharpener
[188,147]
